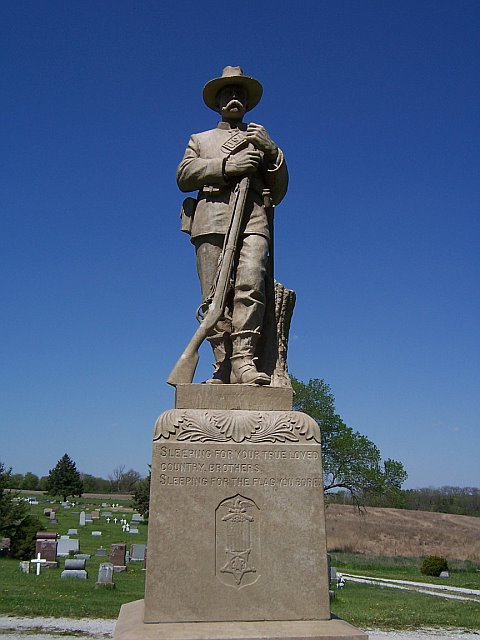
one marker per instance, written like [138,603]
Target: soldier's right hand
[243,162]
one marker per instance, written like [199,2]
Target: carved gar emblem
[237,542]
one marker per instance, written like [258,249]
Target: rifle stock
[184,369]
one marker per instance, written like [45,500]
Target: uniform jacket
[201,169]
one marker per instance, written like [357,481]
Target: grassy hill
[397,532]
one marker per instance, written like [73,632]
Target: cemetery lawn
[49,595]
[374,607]
[364,606]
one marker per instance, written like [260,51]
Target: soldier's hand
[244,162]
[258,136]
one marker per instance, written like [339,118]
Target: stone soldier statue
[213,164]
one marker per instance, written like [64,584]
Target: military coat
[202,169]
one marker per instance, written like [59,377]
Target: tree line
[463,501]
[121,480]
[353,469]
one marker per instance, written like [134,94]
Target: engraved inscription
[238,466]
[237,542]
[196,425]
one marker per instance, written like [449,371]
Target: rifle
[184,370]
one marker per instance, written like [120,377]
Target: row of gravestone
[95,515]
[76,569]
[50,548]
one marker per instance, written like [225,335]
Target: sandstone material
[230,222]
[236,529]
[130,626]
[235,396]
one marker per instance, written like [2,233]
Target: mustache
[233,104]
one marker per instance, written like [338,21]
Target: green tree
[16,522]
[64,479]
[141,497]
[92,484]
[30,481]
[350,460]
[122,481]
[16,480]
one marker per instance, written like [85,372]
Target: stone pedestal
[236,539]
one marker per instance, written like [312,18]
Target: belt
[212,189]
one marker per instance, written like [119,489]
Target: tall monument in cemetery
[236,538]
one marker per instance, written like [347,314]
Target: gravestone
[76,574]
[136,517]
[82,556]
[75,563]
[46,546]
[105,576]
[5,544]
[48,550]
[83,519]
[117,556]
[67,545]
[95,515]
[74,568]
[133,530]
[137,552]
[38,562]
[101,552]
[46,535]
[24,566]
[96,533]
[72,532]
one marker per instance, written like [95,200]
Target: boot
[222,348]
[244,370]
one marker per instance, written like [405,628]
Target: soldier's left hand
[258,136]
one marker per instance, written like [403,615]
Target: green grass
[371,606]
[364,606]
[462,574]
[49,595]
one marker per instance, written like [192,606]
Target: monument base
[130,626]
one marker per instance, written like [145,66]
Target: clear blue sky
[376,106]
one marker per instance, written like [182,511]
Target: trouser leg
[208,250]
[249,295]
[248,309]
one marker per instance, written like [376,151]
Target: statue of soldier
[213,164]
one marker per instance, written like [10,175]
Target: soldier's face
[232,102]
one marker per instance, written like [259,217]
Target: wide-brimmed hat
[232,76]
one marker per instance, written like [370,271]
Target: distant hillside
[397,532]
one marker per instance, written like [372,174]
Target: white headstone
[38,561]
